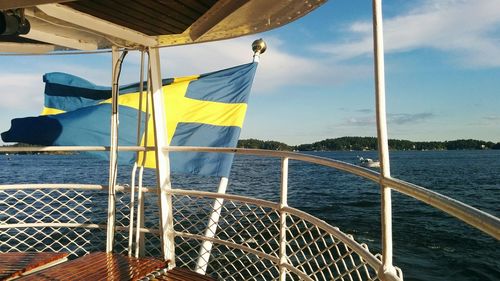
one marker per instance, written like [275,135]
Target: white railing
[254,240]
[254,237]
[56,217]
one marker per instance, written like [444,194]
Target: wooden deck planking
[99,266]
[16,264]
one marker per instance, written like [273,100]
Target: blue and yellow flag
[202,110]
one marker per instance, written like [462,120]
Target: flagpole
[258,47]
[213,222]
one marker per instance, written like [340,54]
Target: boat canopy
[40,26]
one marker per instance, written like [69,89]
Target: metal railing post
[139,236]
[110,233]
[132,208]
[162,160]
[387,272]
[283,215]
[134,170]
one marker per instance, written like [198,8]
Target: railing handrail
[466,213]
[481,220]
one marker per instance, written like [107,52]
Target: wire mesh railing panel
[45,206]
[245,244]
[322,256]
[186,252]
[191,214]
[250,225]
[122,215]
[225,263]
[75,241]
[235,264]
[253,226]
[50,219]
[291,276]
[151,216]
[152,245]
[151,213]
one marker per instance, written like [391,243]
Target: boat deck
[13,265]
[94,266]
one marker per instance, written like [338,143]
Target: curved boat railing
[289,240]
[475,217]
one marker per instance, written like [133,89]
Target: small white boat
[368,163]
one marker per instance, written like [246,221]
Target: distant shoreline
[370,143]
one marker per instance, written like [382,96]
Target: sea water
[428,244]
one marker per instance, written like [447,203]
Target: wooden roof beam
[14,4]
[55,39]
[213,16]
[12,47]
[97,25]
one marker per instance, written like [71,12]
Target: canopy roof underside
[58,25]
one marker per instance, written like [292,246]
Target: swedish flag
[201,110]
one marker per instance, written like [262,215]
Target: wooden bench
[103,266]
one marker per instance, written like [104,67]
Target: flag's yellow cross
[181,109]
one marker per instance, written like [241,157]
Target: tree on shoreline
[370,143]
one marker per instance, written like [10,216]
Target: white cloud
[277,68]
[96,75]
[21,92]
[492,118]
[361,121]
[392,119]
[467,28]
[405,118]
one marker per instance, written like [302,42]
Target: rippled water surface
[428,245]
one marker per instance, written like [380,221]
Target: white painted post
[162,160]
[139,236]
[213,222]
[134,170]
[132,207]
[283,204]
[113,153]
[387,272]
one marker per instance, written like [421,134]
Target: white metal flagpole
[206,246]
[258,47]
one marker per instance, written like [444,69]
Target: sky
[315,81]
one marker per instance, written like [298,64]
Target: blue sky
[316,79]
